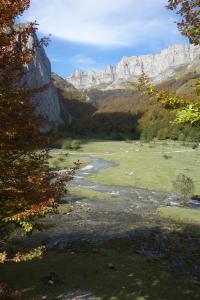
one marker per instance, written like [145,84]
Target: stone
[110,266]
[158,67]
[38,74]
[51,279]
[79,295]
[58,244]
[51,282]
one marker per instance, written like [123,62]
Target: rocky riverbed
[96,219]
[125,210]
[87,244]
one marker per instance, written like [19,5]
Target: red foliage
[27,186]
[189,10]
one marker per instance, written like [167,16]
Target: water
[100,219]
[95,219]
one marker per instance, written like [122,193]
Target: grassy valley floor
[150,166]
[158,259]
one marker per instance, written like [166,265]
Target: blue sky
[90,34]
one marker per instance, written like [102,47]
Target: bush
[55,164]
[56,146]
[195,146]
[128,141]
[166,156]
[181,137]
[163,134]
[75,145]
[148,134]
[184,187]
[61,159]
[66,145]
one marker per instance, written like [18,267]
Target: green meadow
[114,270]
[150,166]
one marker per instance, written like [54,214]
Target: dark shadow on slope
[88,122]
[114,125]
[151,263]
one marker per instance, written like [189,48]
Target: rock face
[39,74]
[158,67]
[62,84]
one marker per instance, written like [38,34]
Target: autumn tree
[189,12]
[187,110]
[28,188]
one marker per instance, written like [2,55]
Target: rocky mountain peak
[158,67]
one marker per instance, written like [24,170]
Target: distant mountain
[66,90]
[177,59]
[102,104]
[61,83]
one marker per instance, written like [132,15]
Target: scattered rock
[60,244]
[79,295]
[51,279]
[51,282]
[110,266]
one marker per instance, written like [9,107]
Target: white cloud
[104,23]
[82,60]
[79,60]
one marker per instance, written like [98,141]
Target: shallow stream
[95,219]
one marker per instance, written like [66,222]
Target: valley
[115,224]
[100,152]
[138,164]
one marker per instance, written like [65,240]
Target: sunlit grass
[89,194]
[151,166]
[180,215]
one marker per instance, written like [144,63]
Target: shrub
[61,159]
[163,134]
[181,137]
[66,145]
[195,146]
[55,164]
[128,141]
[56,146]
[166,156]
[75,145]
[184,186]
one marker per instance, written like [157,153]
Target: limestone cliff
[39,74]
[158,67]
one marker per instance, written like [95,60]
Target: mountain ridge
[158,67]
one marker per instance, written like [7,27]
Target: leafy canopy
[28,188]
[187,110]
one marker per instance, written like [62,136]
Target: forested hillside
[122,114]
